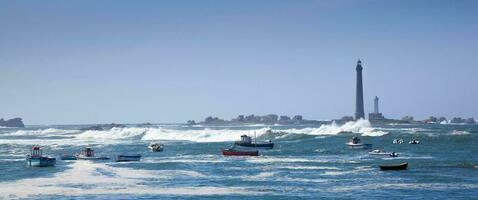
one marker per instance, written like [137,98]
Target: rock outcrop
[15,122]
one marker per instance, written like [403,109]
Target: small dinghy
[36,158]
[246,141]
[401,166]
[89,154]
[156,147]
[68,157]
[398,141]
[235,152]
[414,141]
[378,152]
[355,143]
[128,158]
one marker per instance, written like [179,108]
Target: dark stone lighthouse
[359,113]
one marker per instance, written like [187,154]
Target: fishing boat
[401,166]
[128,158]
[156,147]
[235,152]
[378,152]
[36,158]
[246,141]
[89,154]
[414,141]
[355,143]
[68,157]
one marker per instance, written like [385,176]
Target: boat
[414,141]
[246,141]
[355,143]
[68,157]
[156,147]
[401,166]
[235,152]
[378,152]
[36,158]
[398,141]
[89,154]
[128,158]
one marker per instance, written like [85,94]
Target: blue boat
[36,158]
[128,158]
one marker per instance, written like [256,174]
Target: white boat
[156,147]
[414,141]
[398,141]
[378,152]
[89,154]
[356,144]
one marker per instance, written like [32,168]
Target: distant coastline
[273,119]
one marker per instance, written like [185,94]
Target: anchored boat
[355,143]
[246,141]
[156,147]
[36,158]
[128,158]
[235,152]
[414,141]
[401,166]
[89,154]
[378,152]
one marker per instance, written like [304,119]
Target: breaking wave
[40,132]
[361,126]
[222,135]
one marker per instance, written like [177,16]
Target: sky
[89,61]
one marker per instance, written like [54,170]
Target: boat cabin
[246,139]
[354,140]
[88,152]
[36,151]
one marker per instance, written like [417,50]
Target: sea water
[307,162]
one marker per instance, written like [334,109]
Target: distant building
[297,118]
[376,116]
[284,118]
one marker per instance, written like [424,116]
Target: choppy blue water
[306,163]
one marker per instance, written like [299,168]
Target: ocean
[307,162]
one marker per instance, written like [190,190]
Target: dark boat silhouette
[235,152]
[246,141]
[401,166]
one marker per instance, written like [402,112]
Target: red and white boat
[235,152]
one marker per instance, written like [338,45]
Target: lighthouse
[359,110]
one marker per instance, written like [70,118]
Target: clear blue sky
[169,61]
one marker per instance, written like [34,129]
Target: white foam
[41,132]
[87,178]
[359,126]
[455,132]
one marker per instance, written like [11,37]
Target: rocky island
[15,123]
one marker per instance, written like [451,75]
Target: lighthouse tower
[359,110]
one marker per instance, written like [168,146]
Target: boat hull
[68,157]
[255,145]
[402,166]
[91,158]
[127,158]
[359,146]
[230,152]
[41,162]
